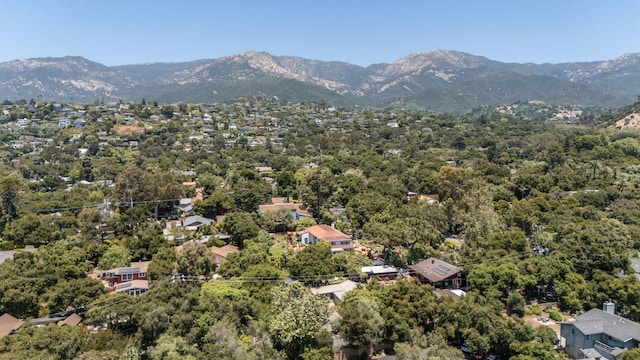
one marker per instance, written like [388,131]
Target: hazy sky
[114,32]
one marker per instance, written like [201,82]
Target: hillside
[441,81]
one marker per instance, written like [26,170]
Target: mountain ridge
[425,79]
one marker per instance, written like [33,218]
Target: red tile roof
[327,233]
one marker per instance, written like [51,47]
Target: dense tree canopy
[535,206]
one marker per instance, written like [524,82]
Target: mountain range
[441,81]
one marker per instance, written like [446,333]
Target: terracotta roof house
[9,324]
[440,274]
[338,240]
[221,253]
[599,334]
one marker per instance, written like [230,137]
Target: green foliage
[116,256]
[297,316]
[163,264]
[516,304]
[360,321]
[171,348]
[536,210]
[633,354]
[56,342]
[241,227]
[194,260]
[313,265]
[47,281]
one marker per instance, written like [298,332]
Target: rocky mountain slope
[438,80]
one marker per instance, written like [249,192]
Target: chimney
[609,307]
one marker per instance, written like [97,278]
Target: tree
[170,347]
[10,188]
[237,263]
[167,111]
[132,185]
[240,226]
[361,323]
[313,265]
[633,354]
[165,191]
[317,189]
[163,264]
[363,206]
[516,304]
[216,204]
[115,256]
[194,260]
[297,316]
[279,221]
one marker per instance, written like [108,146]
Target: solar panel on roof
[441,269]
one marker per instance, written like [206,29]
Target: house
[9,324]
[335,292]
[221,253]
[113,277]
[297,212]
[194,221]
[72,320]
[186,207]
[263,169]
[23,123]
[381,272]
[186,204]
[439,274]
[599,334]
[133,288]
[338,240]
[429,199]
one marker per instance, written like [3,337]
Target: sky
[361,32]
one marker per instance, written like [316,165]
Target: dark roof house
[440,274]
[599,334]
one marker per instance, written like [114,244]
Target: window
[142,275]
[127,277]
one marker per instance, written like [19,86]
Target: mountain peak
[441,80]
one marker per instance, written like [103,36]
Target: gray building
[599,334]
